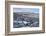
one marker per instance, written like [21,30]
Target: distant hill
[25,12]
[36,15]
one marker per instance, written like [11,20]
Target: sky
[27,10]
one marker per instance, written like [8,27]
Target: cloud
[28,10]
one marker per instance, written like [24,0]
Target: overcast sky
[28,10]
